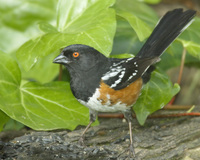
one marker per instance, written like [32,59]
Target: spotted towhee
[110,85]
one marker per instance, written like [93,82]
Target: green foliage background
[32,34]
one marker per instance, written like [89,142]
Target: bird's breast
[106,99]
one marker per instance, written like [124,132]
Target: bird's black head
[79,57]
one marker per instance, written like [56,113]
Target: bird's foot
[131,151]
[81,141]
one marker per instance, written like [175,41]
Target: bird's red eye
[75,54]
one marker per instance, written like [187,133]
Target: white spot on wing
[119,80]
[129,59]
[135,63]
[110,74]
[133,74]
[113,72]
[116,64]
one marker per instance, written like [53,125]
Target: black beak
[61,59]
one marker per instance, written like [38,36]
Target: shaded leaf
[139,10]
[188,39]
[141,28]
[125,40]
[3,120]
[13,125]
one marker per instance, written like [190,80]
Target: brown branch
[111,115]
[119,115]
[177,107]
[175,115]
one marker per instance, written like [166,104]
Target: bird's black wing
[123,72]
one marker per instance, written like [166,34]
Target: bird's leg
[81,140]
[131,151]
[93,115]
[128,116]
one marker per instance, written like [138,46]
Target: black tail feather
[170,26]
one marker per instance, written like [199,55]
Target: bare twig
[119,115]
[180,73]
[182,66]
[177,107]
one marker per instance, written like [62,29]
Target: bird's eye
[75,54]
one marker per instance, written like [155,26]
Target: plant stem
[60,73]
[180,73]
[182,66]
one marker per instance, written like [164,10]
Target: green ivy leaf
[41,107]
[152,1]
[46,27]
[99,35]
[155,95]
[75,16]
[126,40]
[20,14]
[124,55]
[44,71]
[141,28]
[13,125]
[139,10]
[190,38]
[192,47]
[50,106]
[18,19]
[3,120]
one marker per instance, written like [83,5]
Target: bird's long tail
[171,25]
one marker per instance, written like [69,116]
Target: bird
[105,84]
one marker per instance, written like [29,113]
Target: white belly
[96,104]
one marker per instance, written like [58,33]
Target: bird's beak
[61,59]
